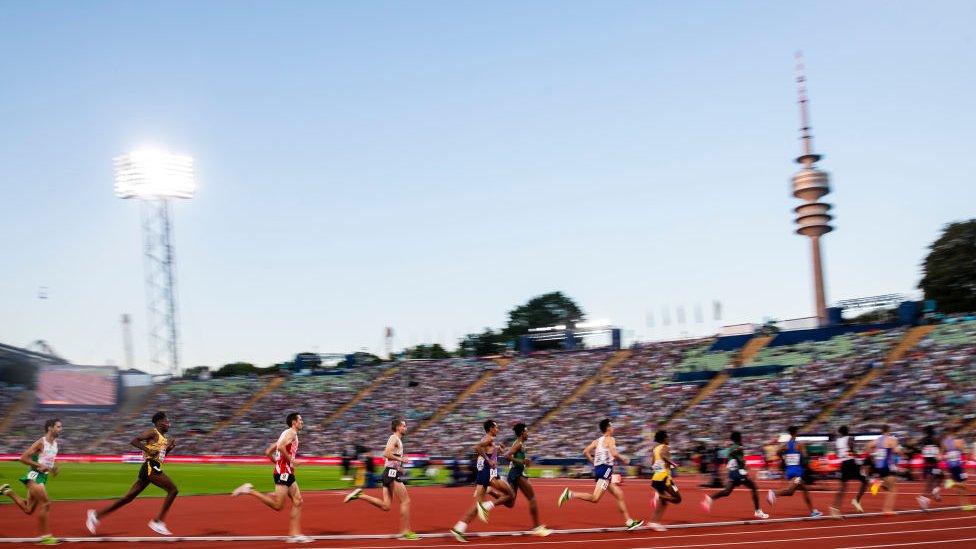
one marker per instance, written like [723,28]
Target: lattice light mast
[810,184]
[154,178]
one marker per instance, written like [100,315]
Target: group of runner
[492,491]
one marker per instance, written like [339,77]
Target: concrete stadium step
[363,393]
[463,395]
[25,401]
[752,348]
[601,373]
[270,386]
[907,343]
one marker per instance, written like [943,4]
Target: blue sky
[427,165]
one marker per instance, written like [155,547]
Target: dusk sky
[429,165]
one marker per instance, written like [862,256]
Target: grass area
[112,480]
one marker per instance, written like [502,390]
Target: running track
[578,523]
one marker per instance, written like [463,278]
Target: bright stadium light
[154,177]
[151,173]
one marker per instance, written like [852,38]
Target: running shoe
[160,528]
[923,502]
[706,504]
[91,521]
[969,507]
[242,489]
[857,505]
[300,538]
[541,531]
[760,515]
[656,527]
[459,536]
[937,493]
[771,497]
[949,483]
[875,486]
[835,513]
[482,511]
[563,498]
[49,540]
[816,514]
[409,536]
[634,524]
[4,488]
[352,495]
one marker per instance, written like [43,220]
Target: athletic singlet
[953,454]
[493,455]
[843,445]
[281,465]
[930,448]
[397,451]
[792,455]
[658,465]
[156,449]
[517,469]
[883,456]
[602,454]
[48,454]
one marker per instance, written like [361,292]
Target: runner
[883,452]
[738,476]
[794,453]
[932,472]
[952,448]
[487,466]
[602,453]
[392,483]
[40,457]
[850,469]
[155,445]
[665,490]
[283,454]
[518,480]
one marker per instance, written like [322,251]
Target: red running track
[436,509]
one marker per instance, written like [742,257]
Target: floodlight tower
[810,184]
[155,178]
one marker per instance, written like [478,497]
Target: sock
[488,506]
[460,527]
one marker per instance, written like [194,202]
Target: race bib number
[881,454]
[392,473]
[283,477]
[733,464]
[792,459]
[930,451]
[32,475]
[954,455]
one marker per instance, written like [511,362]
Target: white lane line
[907,543]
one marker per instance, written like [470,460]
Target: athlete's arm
[588,451]
[171,445]
[612,448]
[388,451]
[139,441]
[510,454]
[271,450]
[35,448]
[666,457]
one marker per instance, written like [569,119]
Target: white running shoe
[541,531]
[160,528]
[482,511]
[707,504]
[923,502]
[91,521]
[857,505]
[300,539]
[352,495]
[760,515]
[771,497]
[656,527]
[242,489]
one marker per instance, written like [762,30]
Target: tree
[487,342]
[435,351]
[550,309]
[236,369]
[949,270]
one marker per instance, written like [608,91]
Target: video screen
[77,386]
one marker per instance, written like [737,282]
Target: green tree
[949,270]
[236,369]
[488,342]
[434,351]
[551,309]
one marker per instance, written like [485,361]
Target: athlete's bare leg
[890,484]
[598,491]
[526,487]
[274,500]
[164,482]
[618,494]
[401,493]
[295,518]
[137,487]
[383,504]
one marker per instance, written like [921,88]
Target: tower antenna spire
[806,138]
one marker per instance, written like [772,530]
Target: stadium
[853,425]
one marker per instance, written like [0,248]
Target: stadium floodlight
[151,173]
[154,177]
